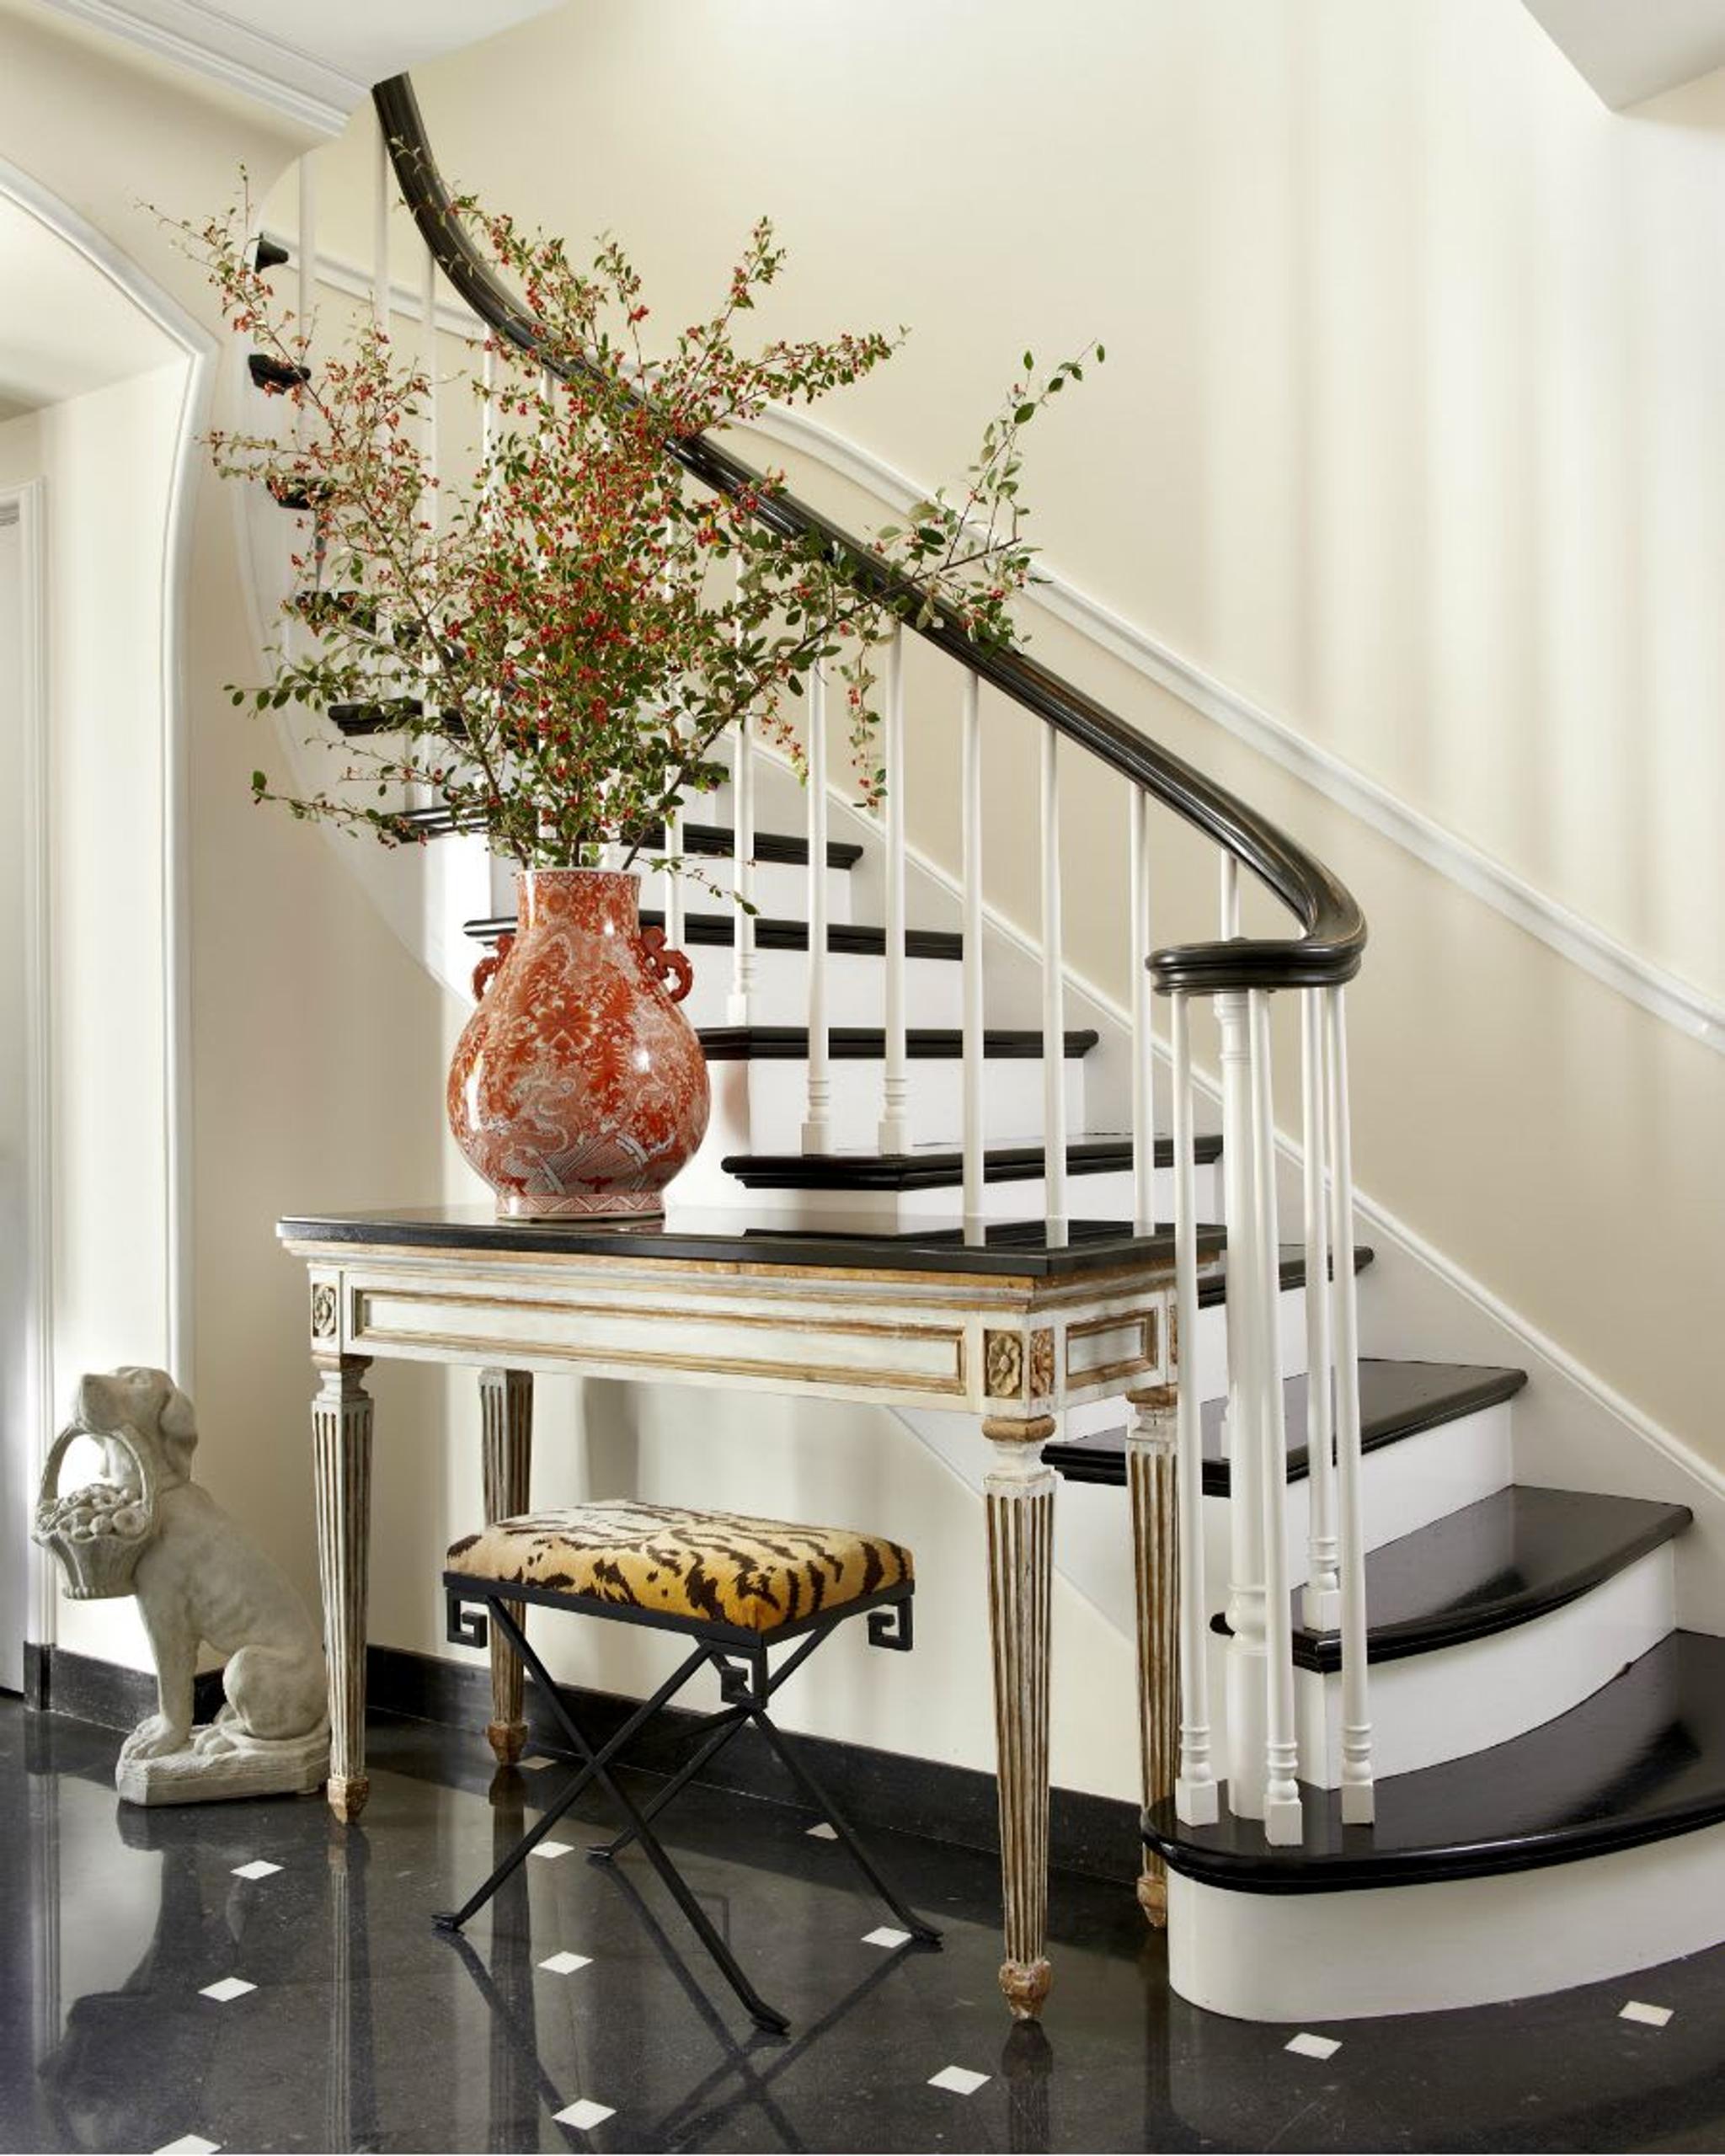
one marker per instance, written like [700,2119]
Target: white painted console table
[1012,1333]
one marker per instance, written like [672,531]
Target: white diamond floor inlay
[189,2144]
[885,1936]
[1306,2046]
[583,2113]
[1655,2017]
[229,1988]
[959,2079]
[258,1868]
[548,1850]
[565,1965]
[823,1832]
[538,1760]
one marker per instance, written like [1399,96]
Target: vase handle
[489,964]
[667,965]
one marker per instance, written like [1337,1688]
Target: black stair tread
[268,254]
[1516,1554]
[1639,1760]
[273,376]
[770,934]
[1012,1249]
[941,1168]
[1396,1399]
[867,1044]
[709,841]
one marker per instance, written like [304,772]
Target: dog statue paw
[148,1529]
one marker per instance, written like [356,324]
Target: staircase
[1440,1740]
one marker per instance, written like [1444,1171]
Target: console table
[1009,1332]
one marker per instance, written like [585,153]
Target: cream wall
[1411,431]
[1304,466]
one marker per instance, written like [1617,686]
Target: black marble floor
[357,2027]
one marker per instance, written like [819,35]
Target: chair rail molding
[1665,995]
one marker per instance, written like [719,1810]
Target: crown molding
[296,84]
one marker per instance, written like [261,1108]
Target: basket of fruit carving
[100,1531]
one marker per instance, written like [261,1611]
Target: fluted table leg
[506,1402]
[1151,1471]
[1020,1491]
[341,1443]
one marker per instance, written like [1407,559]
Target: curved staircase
[1533,1795]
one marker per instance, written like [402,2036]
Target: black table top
[1013,1249]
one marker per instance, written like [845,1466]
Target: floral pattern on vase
[578,1087]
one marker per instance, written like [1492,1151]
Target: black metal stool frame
[747,1683]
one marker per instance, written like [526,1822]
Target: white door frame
[25,506]
[200,348]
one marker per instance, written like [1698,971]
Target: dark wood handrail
[1333,941]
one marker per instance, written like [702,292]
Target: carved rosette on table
[577,1087]
[1012,1371]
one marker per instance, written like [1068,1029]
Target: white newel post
[970,797]
[1247,1733]
[895,1136]
[1281,1800]
[1321,1602]
[1358,1800]
[817,1127]
[1195,1789]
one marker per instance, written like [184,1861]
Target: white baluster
[1195,1788]
[970,812]
[1143,1034]
[817,1128]
[1281,1802]
[383,189]
[1053,999]
[894,1135]
[676,903]
[306,267]
[1321,1602]
[1230,897]
[428,359]
[1358,1800]
[739,1010]
[1247,1735]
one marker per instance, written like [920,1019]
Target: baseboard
[57,1681]
[1096,1836]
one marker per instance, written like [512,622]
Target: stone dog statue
[149,1530]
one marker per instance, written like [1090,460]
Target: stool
[734,1587]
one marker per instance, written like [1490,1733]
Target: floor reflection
[358,2026]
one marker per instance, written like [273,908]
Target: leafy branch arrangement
[555,643]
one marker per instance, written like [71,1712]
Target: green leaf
[1026,412]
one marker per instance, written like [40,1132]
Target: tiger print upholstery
[719,1567]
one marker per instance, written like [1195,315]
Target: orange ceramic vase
[579,1088]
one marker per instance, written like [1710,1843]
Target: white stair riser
[776,1095]
[1404,1486]
[1426,1708]
[781,890]
[1312,1958]
[856,989]
[1088,1197]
